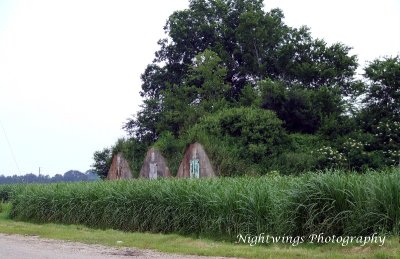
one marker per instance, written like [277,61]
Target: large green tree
[248,44]
[102,162]
[383,93]
[201,92]
[238,79]
[381,112]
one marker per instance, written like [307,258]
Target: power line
[9,146]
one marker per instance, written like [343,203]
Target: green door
[194,168]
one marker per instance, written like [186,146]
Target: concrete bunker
[154,165]
[195,163]
[119,168]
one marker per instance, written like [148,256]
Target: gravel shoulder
[18,247]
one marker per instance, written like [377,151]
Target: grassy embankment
[219,209]
[172,243]
[332,203]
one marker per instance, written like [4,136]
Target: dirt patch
[17,246]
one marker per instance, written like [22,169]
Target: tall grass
[332,202]
[8,191]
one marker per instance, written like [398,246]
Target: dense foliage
[334,203]
[132,150]
[238,140]
[8,191]
[224,56]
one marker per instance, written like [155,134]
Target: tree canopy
[383,93]
[214,49]
[230,60]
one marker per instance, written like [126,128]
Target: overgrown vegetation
[8,191]
[229,63]
[335,203]
[172,243]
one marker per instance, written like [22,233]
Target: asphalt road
[32,247]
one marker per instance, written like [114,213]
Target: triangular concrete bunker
[154,165]
[195,163]
[119,168]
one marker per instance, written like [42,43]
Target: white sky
[70,69]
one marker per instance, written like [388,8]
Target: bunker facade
[195,163]
[154,165]
[119,168]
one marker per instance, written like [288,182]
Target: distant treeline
[70,176]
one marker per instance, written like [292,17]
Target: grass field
[205,216]
[172,243]
[333,203]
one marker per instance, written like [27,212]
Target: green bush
[237,140]
[329,158]
[294,163]
[360,152]
[8,191]
[305,142]
[133,151]
[240,140]
[297,157]
[172,149]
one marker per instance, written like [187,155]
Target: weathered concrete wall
[119,168]
[154,165]
[196,151]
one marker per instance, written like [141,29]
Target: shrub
[297,157]
[172,149]
[240,140]
[329,157]
[294,163]
[8,191]
[133,151]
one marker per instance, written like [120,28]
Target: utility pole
[39,171]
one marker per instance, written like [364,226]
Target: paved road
[32,247]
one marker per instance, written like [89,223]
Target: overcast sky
[70,70]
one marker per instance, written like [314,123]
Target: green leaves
[240,140]
[302,109]
[201,92]
[102,162]
[207,75]
[383,94]
[219,55]
[217,51]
